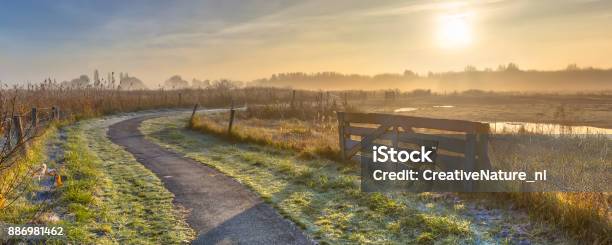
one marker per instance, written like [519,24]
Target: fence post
[18,129]
[341,135]
[195,108]
[395,139]
[34,117]
[345,100]
[470,157]
[8,134]
[483,151]
[55,113]
[231,119]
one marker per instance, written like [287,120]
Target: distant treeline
[505,78]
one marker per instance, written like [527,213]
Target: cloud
[249,39]
[423,6]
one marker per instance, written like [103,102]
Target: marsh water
[508,127]
[546,128]
[405,109]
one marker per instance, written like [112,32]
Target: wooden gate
[459,144]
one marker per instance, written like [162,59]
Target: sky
[250,39]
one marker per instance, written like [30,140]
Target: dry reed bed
[76,103]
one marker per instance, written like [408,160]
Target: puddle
[545,128]
[405,109]
[443,106]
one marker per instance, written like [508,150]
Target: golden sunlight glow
[454,31]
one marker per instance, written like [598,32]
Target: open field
[574,110]
[284,147]
[323,196]
[576,213]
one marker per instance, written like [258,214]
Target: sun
[454,31]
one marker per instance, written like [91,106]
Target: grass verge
[21,209]
[291,134]
[583,215]
[110,198]
[324,198]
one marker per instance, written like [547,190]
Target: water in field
[408,109]
[244,108]
[405,109]
[544,128]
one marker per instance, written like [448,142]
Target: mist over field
[505,78]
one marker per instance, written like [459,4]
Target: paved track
[222,211]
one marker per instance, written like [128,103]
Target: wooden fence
[231,110]
[18,128]
[459,144]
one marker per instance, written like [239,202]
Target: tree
[409,73]
[80,82]
[572,67]
[470,68]
[195,83]
[512,67]
[96,78]
[131,83]
[176,82]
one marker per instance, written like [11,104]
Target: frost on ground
[323,197]
[109,197]
[46,184]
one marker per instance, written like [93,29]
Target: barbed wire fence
[17,131]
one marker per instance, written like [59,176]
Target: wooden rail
[232,112]
[459,144]
[23,126]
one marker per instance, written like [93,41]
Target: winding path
[222,211]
